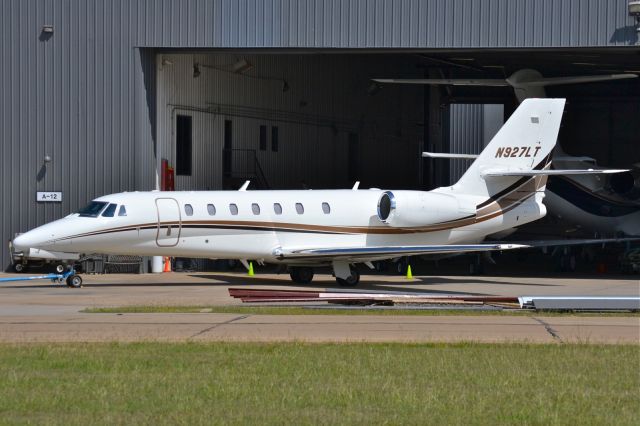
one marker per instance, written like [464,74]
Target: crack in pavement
[549,329]
[218,325]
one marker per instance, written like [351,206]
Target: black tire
[19,267]
[301,274]
[74,281]
[351,281]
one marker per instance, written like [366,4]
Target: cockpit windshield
[93,209]
[110,211]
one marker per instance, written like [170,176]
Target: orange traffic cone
[167,264]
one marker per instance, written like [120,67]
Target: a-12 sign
[49,197]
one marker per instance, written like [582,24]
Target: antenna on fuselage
[244,186]
[356,185]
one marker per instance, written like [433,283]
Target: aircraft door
[169,222]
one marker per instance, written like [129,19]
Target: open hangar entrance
[287,120]
[291,120]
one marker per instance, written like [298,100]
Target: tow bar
[70,278]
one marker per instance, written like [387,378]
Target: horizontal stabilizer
[446,81]
[446,155]
[511,172]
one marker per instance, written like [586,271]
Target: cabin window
[277,208]
[326,208]
[211,209]
[110,211]
[299,208]
[122,211]
[93,209]
[255,208]
[188,209]
[233,209]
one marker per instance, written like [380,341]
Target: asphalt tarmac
[37,311]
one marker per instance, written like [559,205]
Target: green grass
[299,310]
[297,383]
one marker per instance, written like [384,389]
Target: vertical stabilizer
[525,142]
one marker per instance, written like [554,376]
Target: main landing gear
[346,275]
[301,274]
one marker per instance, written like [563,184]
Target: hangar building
[98,97]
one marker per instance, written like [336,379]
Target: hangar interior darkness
[316,120]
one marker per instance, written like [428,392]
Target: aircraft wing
[553,81]
[446,81]
[386,252]
[508,172]
[573,242]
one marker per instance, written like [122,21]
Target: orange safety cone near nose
[167,264]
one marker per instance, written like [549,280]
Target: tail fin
[524,143]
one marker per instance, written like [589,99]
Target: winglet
[244,186]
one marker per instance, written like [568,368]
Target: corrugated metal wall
[85,95]
[77,95]
[383,23]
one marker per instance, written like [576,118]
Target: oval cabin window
[211,209]
[233,209]
[188,209]
[299,208]
[277,208]
[326,208]
[255,208]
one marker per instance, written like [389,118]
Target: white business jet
[503,188]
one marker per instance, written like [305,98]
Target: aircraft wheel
[301,274]
[19,267]
[74,281]
[351,281]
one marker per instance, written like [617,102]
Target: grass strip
[300,310]
[300,383]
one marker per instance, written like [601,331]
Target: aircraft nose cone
[28,240]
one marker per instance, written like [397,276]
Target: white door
[169,222]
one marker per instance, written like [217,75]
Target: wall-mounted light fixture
[47,29]
[47,159]
[634,10]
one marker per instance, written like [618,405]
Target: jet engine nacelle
[417,208]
